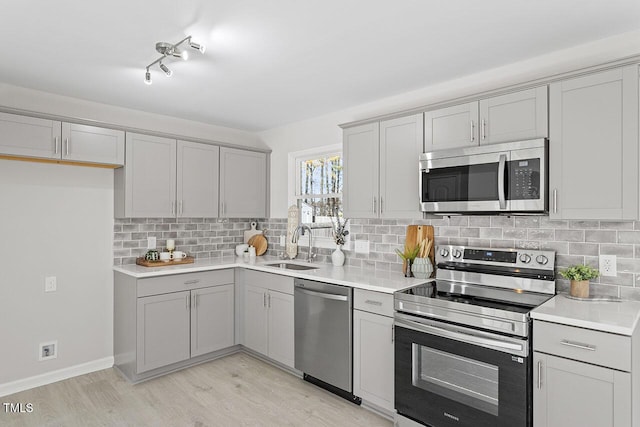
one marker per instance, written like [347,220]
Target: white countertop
[361,278]
[618,317]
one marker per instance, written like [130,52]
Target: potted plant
[579,275]
[408,256]
[340,233]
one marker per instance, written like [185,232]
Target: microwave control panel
[524,179]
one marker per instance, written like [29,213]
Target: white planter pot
[422,268]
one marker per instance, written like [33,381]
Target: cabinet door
[401,142]
[243,183]
[255,318]
[29,136]
[281,331]
[197,179]
[593,147]
[92,144]
[373,371]
[360,189]
[150,176]
[212,314]
[163,330]
[451,127]
[574,394]
[514,117]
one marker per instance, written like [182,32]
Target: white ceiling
[274,62]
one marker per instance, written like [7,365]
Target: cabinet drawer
[598,348]
[183,282]
[271,281]
[373,302]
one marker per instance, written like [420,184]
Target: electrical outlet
[50,284]
[608,265]
[362,246]
[151,242]
[48,350]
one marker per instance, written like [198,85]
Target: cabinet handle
[66,144]
[393,334]
[269,300]
[180,208]
[483,129]
[187,302]
[374,204]
[173,211]
[194,303]
[372,302]
[578,345]
[555,200]
[191,282]
[222,208]
[472,136]
[380,205]
[55,145]
[264,299]
[539,374]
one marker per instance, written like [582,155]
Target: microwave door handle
[422,171]
[501,168]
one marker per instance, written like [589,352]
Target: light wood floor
[237,390]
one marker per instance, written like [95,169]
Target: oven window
[461,183]
[465,380]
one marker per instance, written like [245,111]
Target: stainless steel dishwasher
[323,335]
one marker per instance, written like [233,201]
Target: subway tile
[491,233]
[459,221]
[545,222]
[382,229]
[499,243]
[390,238]
[398,229]
[480,243]
[569,235]
[470,232]
[625,251]
[600,236]
[584,224]
[624,279]
[502,221]
[628,265]
[541,234]
[138,236]
[616,225]
[628,236]
[590,249]
[564,261]
[527,222]
[458,241]
[449,231]
[479,221]
[514,233]
[375,221]
[128,228]
[527,244]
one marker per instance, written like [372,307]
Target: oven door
[449,375]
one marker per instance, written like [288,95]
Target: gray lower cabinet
[268,315]
[593,148]
[373,349]
[167,322]
[582,378]
[32,137]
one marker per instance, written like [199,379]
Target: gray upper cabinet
[92,144]
[381,168]
[451,127]
[146,186]
[593,149]
[360,188]
[243,183]
[515,116]
[31,137]
[197,179]
[167,178]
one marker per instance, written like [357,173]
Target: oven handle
[501,167]
[459,335]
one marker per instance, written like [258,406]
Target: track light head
[197,46]
[166,70]
[147,77]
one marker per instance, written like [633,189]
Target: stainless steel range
[462,342]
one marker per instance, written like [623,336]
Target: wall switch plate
[362,246]
[151,242]
[608,265]
[50,284]
[283,240]
[48,350]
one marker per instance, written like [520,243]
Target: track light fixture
[171,50]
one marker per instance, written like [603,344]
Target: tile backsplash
[575,242]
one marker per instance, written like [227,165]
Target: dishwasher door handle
[323,295]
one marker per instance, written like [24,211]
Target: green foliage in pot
[409,254]
[580,272]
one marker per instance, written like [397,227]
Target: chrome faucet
[294,239]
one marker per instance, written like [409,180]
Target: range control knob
[525,258]
[541,259]
[457,253]
[444,253]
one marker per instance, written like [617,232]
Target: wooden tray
[144,262]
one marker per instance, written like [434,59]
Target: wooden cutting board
[260,243]
[415,235]
[248,234]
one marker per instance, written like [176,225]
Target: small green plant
[409,254]
[580,272]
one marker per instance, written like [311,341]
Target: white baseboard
[55,376]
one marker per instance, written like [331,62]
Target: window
[315,186]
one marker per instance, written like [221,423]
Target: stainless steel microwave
[499,178]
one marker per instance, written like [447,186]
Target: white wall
[48,103]
[324,130]
[55,221]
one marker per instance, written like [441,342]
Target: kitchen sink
[291,266]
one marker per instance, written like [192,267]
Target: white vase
[422,268]
[337,256]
